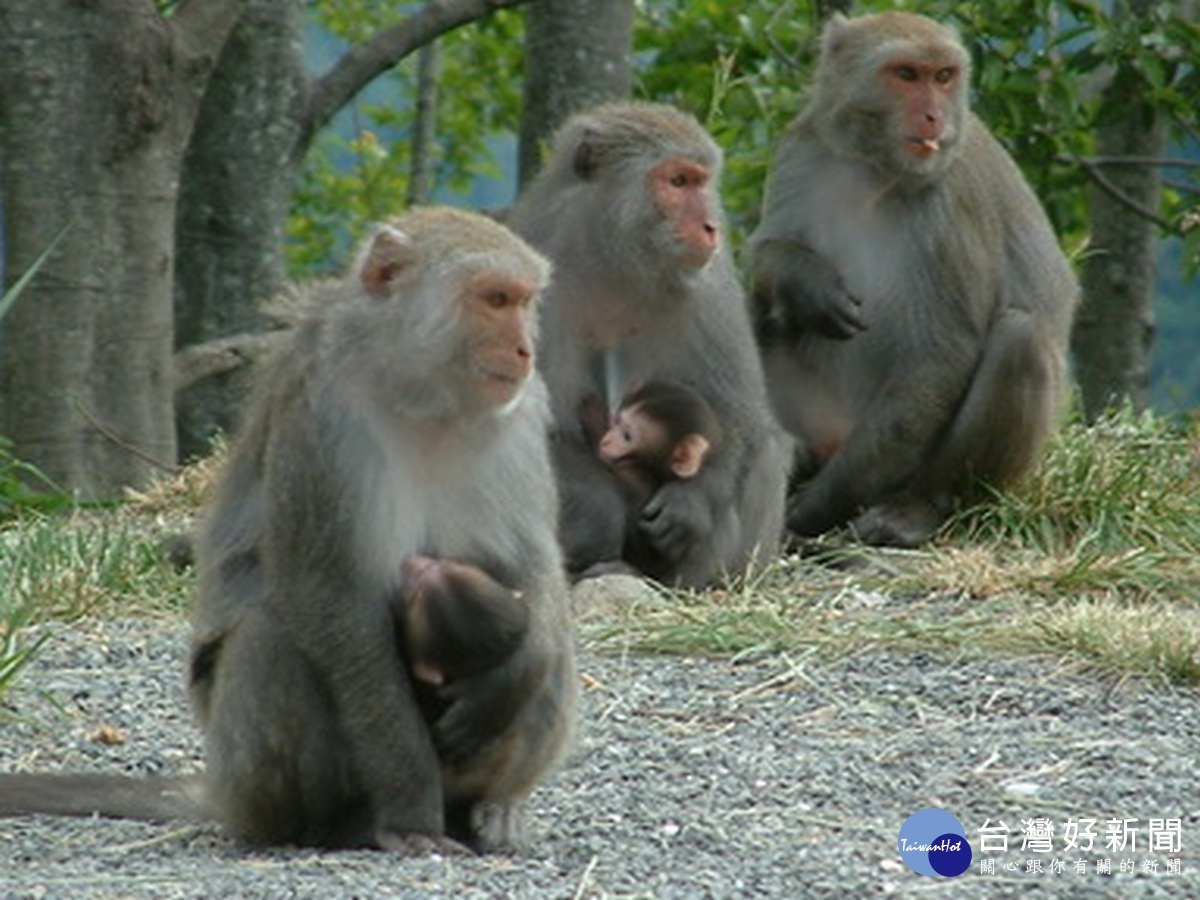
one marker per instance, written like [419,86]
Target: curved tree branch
[1093,172]
[364,62]
[202,26]
[221,355]
[1164,162]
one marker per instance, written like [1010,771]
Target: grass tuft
[1095,558]
[88,564]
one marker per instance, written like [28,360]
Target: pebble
[692,778]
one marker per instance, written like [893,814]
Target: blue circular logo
[933,842]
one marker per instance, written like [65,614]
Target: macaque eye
[944,76]
[496,299]
[687,176]
[906,73]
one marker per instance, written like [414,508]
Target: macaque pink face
[499,316]
[681,190]
[631,437]
[926,94]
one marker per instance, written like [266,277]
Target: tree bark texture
[424,130]
[238,175]
[256,123]
[578,53]
[1114,331]
[96,104]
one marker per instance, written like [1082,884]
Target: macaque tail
[111,796]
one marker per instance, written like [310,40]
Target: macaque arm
[592,510]
[797,290]
[886,447]
[343,623]
[687,518]
[678,519]
[483,707]
[594,418]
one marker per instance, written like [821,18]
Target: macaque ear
[688,455]
[835,31]
[428,673]
[388,253]
[587,156]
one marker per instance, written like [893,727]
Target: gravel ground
[693,778]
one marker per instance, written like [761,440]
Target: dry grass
[181,495]
[1095,559]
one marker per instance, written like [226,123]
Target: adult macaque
[456,620]
[913,302]
[401,418]
[628,211]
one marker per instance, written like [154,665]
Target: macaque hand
[481,708]
[593,418]
[814,298]
[811,512]
[676,517]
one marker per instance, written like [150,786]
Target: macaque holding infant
[456,621]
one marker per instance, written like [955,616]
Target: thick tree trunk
[577,53]
[96,104]
[238,176]
[256,123]
[1114,332]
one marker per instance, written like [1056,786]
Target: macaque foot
[412,844]
[608,567]
[497,827]
[909,524]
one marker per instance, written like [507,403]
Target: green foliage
[11,295]
[16,650]
[358,173]
[100,563]
[17,478]
[740,68]
[1038,64]
[1129,482]
[17,487]
[69,566]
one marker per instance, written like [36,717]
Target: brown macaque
[628,211]
[912,301]
[456,621]
[402,417]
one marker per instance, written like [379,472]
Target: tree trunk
[577,53]
[1114,331]
[96,104]
[258,119]
[424,130]
[237,182]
